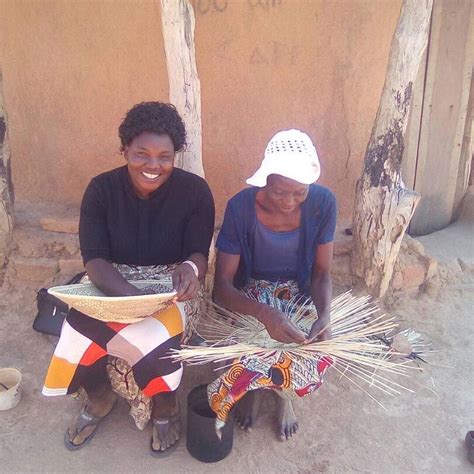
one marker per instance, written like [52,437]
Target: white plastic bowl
[9,397]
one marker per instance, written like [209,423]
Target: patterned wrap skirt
[292,376]
[132,354]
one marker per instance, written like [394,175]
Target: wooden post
[6,189]
[383,205]
[178,23]
[439,159]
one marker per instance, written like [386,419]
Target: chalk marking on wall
[264,4]
[275,53]
[203,7]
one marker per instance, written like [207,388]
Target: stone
[71,266]
[34,269]
[36,242]
[413,276]
[67,224]
[413,245]
[64,247]
[450,272]
[431,267]
[467,266]
[433,286]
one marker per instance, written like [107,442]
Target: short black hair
[154,117]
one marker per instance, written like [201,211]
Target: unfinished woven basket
[88,299]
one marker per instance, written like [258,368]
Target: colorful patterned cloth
[133,352]
[293,376]
[85,341]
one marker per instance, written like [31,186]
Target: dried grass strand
[358,344]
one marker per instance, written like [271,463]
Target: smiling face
[150,160]
[284,195]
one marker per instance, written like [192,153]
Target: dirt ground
[341,429]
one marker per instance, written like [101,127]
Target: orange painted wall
[72,69]
[270,65]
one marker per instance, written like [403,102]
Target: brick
[35,269]
[413,276]
[65,224]
[71,266]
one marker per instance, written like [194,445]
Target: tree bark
[178,24]
[383,205]
[6,188]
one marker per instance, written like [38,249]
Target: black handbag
[51,310]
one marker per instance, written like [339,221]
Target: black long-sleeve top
[176,221]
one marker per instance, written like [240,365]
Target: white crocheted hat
[289,153]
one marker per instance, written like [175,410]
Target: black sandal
[162,426]
[85,420]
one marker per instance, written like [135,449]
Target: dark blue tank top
[275,253]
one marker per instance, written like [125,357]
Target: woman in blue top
[276,241]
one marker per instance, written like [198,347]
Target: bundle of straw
[362,343]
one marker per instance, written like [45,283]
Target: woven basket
[88,299]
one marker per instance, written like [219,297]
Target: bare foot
[247,408]
[99,406]
[287,422]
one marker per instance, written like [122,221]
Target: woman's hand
[108,279]
[280,327]
[185,282]
[321,329]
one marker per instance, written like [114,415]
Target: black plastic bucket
[201,438]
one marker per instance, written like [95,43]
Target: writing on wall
[203,7]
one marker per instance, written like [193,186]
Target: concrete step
[45,248]
[40,272]
[33,269]
[57,217]
[68,223]
[45,231]
[36,242]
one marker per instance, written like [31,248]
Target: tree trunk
[178,23]
[6,189]
[383,205]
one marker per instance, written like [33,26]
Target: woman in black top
[135,220]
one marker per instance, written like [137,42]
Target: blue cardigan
[318,223]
